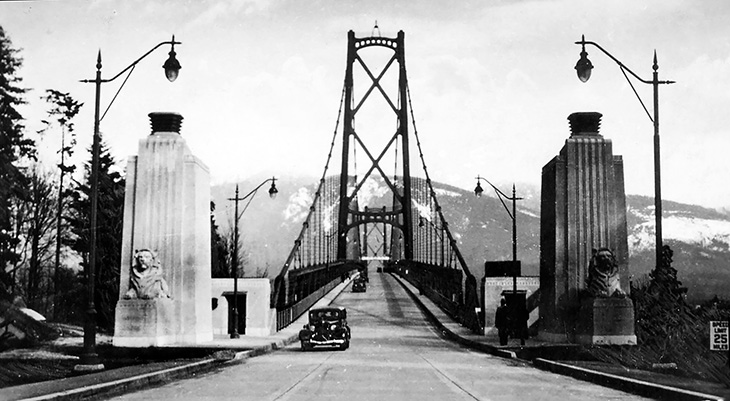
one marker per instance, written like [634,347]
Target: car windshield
[325,314]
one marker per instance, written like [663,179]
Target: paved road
[394,355]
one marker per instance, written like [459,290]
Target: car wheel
[306,346]
[344,345]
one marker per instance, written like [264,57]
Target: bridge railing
[316,244]
[286,316]
[302,288]
[453,290]
[438,268]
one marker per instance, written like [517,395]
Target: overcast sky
[492,82]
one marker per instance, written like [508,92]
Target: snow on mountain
[445,192]
[298,206]
[712,234]
[699,236]
[370,191]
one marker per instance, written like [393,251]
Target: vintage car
[358,285]
[326,327]
[364,273]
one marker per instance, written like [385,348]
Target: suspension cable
[395,167]
[318,194]
[354,142]
[395,164]
[452,241]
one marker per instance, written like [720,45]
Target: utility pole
[234,263]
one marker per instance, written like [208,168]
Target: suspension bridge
[396,353]
[408,231]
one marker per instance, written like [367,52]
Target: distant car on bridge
[359,285]
[326,327]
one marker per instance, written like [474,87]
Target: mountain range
[699,236]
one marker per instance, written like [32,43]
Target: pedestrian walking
[501,321]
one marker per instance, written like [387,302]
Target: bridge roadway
[395,354]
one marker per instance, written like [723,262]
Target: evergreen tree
[39,235]
[229,240]
[61,114]
[109,233]
[661,310]
[13,147]
[218,249]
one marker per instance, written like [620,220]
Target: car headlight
[332,327]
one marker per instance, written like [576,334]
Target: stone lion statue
[145,278]
[603,277]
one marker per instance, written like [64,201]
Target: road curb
[490,349]
[634,386]
[128,384]
[141,381]
[630,385]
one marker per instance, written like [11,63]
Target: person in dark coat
[522,328]
[501,321]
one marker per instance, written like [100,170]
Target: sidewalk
[131,378]
[644,383]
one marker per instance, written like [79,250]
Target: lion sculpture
[603,277]
[145,278]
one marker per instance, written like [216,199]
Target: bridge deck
[142,376]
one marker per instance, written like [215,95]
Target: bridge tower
[401,216]
[336,234]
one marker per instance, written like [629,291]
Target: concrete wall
[258,315]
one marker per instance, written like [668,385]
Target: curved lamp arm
[272,191]
[172,43]
[583,42]
[172,53]
[501,195]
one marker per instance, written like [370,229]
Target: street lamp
[513,215]
[234,259]
[516,301]
[583,68]
[89,360]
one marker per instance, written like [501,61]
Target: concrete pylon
[583,208]
[165,281]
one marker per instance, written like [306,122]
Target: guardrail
[286,316]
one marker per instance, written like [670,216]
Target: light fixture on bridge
[273,191]
[89,359]
[478,190]
[584,66]
[515,299]
[172,66]
[234,260]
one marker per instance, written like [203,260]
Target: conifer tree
[109,232]
[13,147]
[63,109]
[661,310]
[220,267]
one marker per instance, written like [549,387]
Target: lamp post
[513,215]
[583,67]
[89,360]
[516,301]
[234,258]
